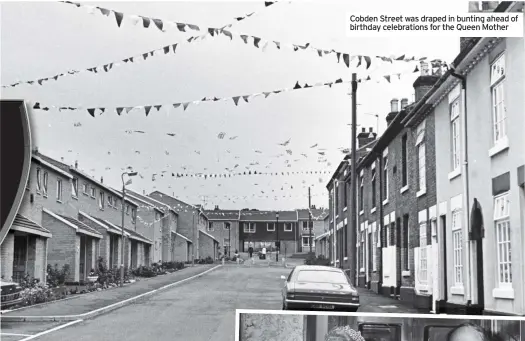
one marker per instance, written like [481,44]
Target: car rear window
[321,276]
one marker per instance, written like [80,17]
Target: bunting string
[130,60]
[235,99]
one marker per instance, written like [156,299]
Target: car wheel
[284,306]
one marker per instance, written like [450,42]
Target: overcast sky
[43,39]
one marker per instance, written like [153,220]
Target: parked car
[314,287]
[10,294]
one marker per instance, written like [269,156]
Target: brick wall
[180,253]
[62,248]
[7,256]
[103,244]
[222,234]
[207,246]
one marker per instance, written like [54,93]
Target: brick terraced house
[224,226]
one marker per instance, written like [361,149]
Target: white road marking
[387,307]
[51,330]
[11,334]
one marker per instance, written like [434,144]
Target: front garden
[101,278]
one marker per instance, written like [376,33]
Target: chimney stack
[365,137]
[404,103]
[394,105]
[101,179]
[425,81]
[76,164]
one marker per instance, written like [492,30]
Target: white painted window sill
[331,221]
[337,261]
[421,192]
[362,270]
[346,258]
[337,216]
[499,147]
[423,289]
[373,210]
[405,273]
[361,212]
[454,174]
[404,189]
[385,202]
[344,209]
[505,293]
[457,290]
[59,201]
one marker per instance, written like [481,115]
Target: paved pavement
[201,309]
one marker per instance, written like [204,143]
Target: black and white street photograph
[276,326]
[186,159]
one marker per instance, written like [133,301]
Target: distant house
[318,227]
[258,229]
[224,226]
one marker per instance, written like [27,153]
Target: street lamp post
[277,244]
[130,174]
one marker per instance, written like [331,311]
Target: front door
[19,258]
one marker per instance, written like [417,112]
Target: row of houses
[69,218]
[440,195]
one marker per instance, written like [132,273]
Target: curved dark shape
[15,152]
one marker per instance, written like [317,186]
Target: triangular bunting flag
[227,34]
[145,55]
[158,23]
[185,105]
[158,107]
[320,53]
[236,99]
[36,106]
[166,49]
[118,17]
[360,60]
[297,86]
[119,111]
[295,48]
[174,46]
[416,69]
[387,77]
[245,98]
[102,110]
[402,57]
[338,81]
[338,54]
[147,109]
[211,31]
[368,78]
[244,38]
[194,27]
[145,22]
[266,94]
[278,44]
[181,27]
[368,61]
[268,3]
[346,59]
[256,41]
[105,12]
[91,112]
[128,109]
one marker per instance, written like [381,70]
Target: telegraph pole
[310,218]
[352,226]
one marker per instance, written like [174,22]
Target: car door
[284,290]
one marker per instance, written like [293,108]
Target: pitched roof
[209,235]
[269,216]
[177,205]
[24,224]
[111,228]
[146,200]
[81,227]
[131,234]
[222,214]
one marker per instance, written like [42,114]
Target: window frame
[227,224]
[286,229]
[74,187]
[247,227]
[385,188]
[421,166]
[361,193]
[101,200]
[373,184]
[302,241]
[38,180]
[45,179]
[59,190]
[455,135]
[93,193]
[502,221]
[457,247]
[423,252]
[133,215]
[210,227]
[497,81]
[404,160]
[268,227]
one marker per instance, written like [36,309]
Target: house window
[288,227]
[306,241]
[270,227]
[373,188]
[404,140]
[117,204]
[110,201]
[133,215]
[385,178]
[421,153]
[92,192]
[59,190]
[457,242]
[38,180]
[157,216]
[503,238]
[307,225]
[405,242]
[226,242]
[249,227]
[361,192]
[74,187]
[345,241]
[497,82]
[101,203]
[392,234]
[227,226]
[387,235]
[85,188]
[363,251]
[455,134]
[44,188]
[423,257]
[210,226]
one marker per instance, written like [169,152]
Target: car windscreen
[321,276]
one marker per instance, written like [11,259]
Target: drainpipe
[465,182]
[334,244]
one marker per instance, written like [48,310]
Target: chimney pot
[394,105]
[371,129]
[76,164]
[424,68]
[404,103]
[101,179]
[363,130]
